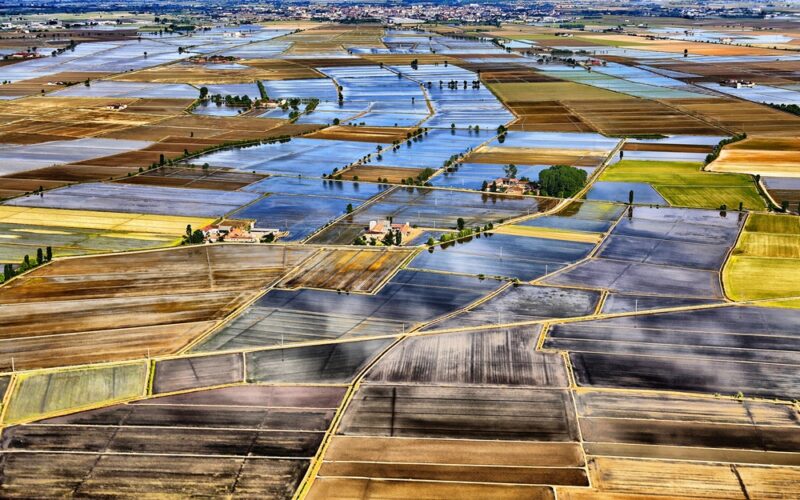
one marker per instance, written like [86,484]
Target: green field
[40,394]
[551,91]
[755,278]
[778,224]
[766,261]
[686,184]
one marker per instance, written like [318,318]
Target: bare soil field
[208,443]
[46,84]
[676,148]
[76,117]
[214,178]
[738,115]
[473,358]
[554,91]
[385,135]
[352,270]
[531,156]
[502,73]
[123,306]
[461,412]
[627,478]
[373,173]
[639,116]
[281,69]
[546,116]
[460,461]
[373,489]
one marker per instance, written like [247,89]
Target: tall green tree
[562,181]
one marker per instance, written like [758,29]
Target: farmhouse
[512,185]
[737,84]
[380,228]
[239,231]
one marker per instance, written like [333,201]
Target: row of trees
[561,181]
[27,263]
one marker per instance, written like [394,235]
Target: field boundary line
[311,474]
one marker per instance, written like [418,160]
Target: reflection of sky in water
[409,296]
[503,255]
[317,187]
[132,198]
[300,215]
[435,208]
[305,315]
[472,175]
[311,157]
[618,191]
[433,149]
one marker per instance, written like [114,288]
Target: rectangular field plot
[684,247]
[367,134]
[640,116]
[772,157]
[408,299]
[622,303]
[663,252]
[587,216]
[661,425]
[196,372]
[354,191]
[197,178]
[40,394]
[351,270]
[524,303]
[309,157]
[533,156]
[141,199]
[767,249]
[494,357]
[556,140]
[395,175]
[627,478]
[751,350]
[461,413]
[109,88]
[459,462]
[239,440]
[123,306]
[522,257]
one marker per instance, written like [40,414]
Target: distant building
[380,228]
[737,84]
[511,185]
[239,231]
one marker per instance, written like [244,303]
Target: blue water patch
[618,191]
